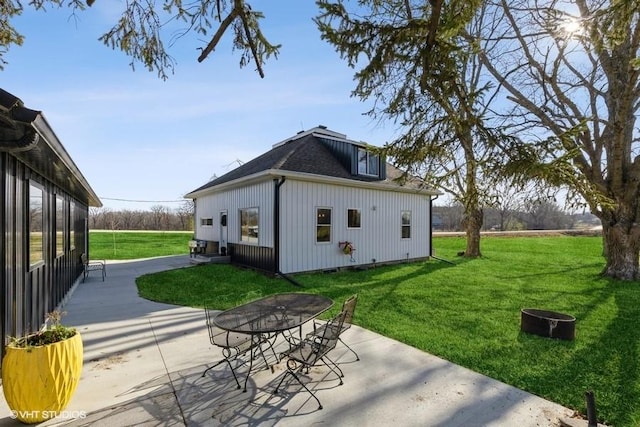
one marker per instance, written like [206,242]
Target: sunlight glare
[571,27]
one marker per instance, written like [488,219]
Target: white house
[315,201]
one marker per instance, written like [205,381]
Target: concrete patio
[143,364]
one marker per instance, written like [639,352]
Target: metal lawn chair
[349,307]
[233,344]
[95,265]
[313,350]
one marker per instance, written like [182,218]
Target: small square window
[206,222]
[353,218]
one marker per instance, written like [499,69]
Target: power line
[144,201]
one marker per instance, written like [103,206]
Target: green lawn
[469,313]
[131,245]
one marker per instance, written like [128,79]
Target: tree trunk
[472,223]
[622,249]
[473,214]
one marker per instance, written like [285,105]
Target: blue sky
[137,137]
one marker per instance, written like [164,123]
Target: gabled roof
[27,135]
[306,153]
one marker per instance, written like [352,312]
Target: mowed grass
[118,245]
[469,313]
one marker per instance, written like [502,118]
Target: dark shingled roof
[307,155]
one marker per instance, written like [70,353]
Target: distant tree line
[158,217]
[512,216]
[531,215]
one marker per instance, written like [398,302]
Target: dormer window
[368,163]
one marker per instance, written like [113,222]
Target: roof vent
[322,126]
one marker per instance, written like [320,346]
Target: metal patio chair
[233,344]
[349,307]
[313,350]
[95,265]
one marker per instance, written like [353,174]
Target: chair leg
[293,374]
[234,374]
[273,350]
[251,357]
[281,380]
[339,375]
[264,357]
[352,350]
[257,346]
[217,364]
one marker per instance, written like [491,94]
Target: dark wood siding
[347,155]
[344,153]
[29,292]
[258,257]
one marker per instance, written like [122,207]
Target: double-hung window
[406,225]
[323,225]
[368,163]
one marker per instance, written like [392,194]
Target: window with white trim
[206,222]
[353,218]
[368,163]
[406,225]
[323,225]
[249,220]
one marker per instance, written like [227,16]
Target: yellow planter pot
[38,382]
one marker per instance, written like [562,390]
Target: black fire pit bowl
[548,323]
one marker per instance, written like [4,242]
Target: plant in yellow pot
[40,371]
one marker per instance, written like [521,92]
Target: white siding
[378,238]
[258,195]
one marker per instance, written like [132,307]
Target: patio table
[272,315]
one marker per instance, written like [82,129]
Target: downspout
[276,232]
[276,224]
[24,143]
[431,224]
[16,126]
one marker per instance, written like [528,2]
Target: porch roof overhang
[301,176]
[27,135]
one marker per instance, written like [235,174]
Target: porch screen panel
[36,220]
[59,226]
[72,225]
